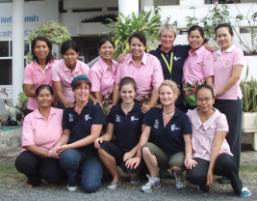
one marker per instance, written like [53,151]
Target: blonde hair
[172,85]
[167,28]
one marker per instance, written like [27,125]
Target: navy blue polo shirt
[180,53]
[80,124]
[127,127]
[169,138]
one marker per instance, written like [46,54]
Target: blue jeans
[74,162]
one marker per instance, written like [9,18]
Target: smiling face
[70,58]
[137,48]
[195,39]
[82,92]
[41,50]
[44,98]
[106,50]
[127,93]
[204,100]
[167,39]
[167,96]
[224,38]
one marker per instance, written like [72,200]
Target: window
[4,48]
[5,71]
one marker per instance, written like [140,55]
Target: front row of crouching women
[68,145]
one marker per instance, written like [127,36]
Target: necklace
[169,113]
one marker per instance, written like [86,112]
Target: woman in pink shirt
[102,73]
[198,67]
[41,130]
[39,71]
[65,70]
[210,152]
[228,65]
[144,68]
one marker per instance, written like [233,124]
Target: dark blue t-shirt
[80,124]
[169,138]
[127,127]
[180,53]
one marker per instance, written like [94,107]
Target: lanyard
[169,65]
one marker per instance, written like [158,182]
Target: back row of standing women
[189,66]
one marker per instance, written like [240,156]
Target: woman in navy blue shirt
[82,124]
[118,145]
[168,131]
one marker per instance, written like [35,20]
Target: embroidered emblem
[87,117]
[71,118]
[156,124]
[173,127]
[176,58]
[133,118]
[117,118]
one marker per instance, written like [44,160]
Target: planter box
[250,126]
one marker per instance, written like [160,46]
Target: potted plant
[249,125]
[121,29]
[54,31]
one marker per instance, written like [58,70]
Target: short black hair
[104,40]
[49,45]
[69,44]
[140,36]
[44,86]
[205,86]
[224,25]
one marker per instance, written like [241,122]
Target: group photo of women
[175,110]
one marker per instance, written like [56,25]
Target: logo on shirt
[133,118]
[71,118]
[173,127]
[156,124]
[176,58]
[87,117]
[117,118]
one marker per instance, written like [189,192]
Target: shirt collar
[104,65]
[66,69]
[197,52]
[38,67]
[161,52]
[230,49]
[137,107]
[130,59]
[38,115]
[198,124]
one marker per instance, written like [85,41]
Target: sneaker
[179,181]
[71,188]
[113,186]
[245,192]
[153,183]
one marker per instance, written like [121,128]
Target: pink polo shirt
[63,74]
[223,66]
[203,134]
[198,65]
[102,78]
[148,74]
[41,131]
[35,75]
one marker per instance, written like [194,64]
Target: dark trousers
[117,152]
[224,166]
[37,168]
[233,111]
